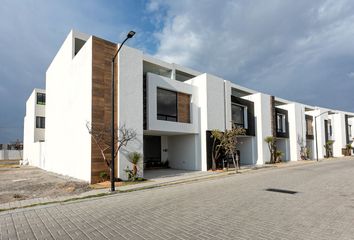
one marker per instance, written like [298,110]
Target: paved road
[234,207]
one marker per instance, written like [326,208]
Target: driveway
[305,202]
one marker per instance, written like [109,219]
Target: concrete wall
[69,96]
[130,103]
[11,154]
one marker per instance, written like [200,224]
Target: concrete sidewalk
[156,178]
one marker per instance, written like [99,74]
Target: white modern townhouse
[34,129]
[173,110]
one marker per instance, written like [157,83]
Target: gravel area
[26,182]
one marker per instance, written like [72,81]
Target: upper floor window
[281,128]
[309,127]
[330,130]
[41,98]
[40,122]
[350,130]
[238,115]
[166,105]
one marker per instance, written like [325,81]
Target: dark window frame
[281,128]
[309,126]
[41,98]
[40,122]
[244,109]
[164,116]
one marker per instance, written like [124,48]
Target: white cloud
[295,49]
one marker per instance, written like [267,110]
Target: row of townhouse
[171,108]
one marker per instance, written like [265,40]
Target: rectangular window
[350,130]
[238,115]
[40,122]
[309,127]
[281,123]
[166,105]
[41,98]
[330,131]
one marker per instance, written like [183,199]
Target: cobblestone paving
[233,207]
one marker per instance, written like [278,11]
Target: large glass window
[40,122]
[281,123]
[166,105]
[41,98]
[238,115]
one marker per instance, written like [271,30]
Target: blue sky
[300,50]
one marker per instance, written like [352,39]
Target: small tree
[278,155]
[303,148]
[134,158]
[217,137]
[329,148]
[270,140]
[229,143]
[101,135]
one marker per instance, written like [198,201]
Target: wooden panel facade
[183,102]
[102,53]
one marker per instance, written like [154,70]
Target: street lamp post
[329,112]
[129,35]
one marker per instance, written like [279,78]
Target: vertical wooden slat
[102,53]
[183,101]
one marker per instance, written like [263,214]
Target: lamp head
[130,34]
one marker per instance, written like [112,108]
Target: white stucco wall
[211,100]
[69,104]
[339,133]
[130,103]
[297,129]
[31,134]
[263,122]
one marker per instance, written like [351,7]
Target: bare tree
[217,137]
[101,135]
[271,141]
[303,148]
[230,143]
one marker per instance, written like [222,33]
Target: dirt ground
[25,182]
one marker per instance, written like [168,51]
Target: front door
[152,151]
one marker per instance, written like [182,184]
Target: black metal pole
[112,132]
[112,178]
